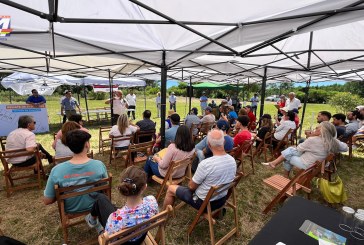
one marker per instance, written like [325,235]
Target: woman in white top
[122,128]
[61,148]
[313,149]
[119,105]
[287,124]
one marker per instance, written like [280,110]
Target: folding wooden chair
[124,235]
[104,139]
[294,138]
[144,135]
[264,146]
[114,153]
[132,156]
[205,211]
[173,167]
[280,144]
[289,187]
[3,142]
[63,193]
[192,128]
[58,160]
[36,169]
[241,152]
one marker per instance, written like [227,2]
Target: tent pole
[10,96]
[85,94]
[163,97]
[111,97]
[190,95]
[262,96]
[145,100]
[304,106]
[78,94]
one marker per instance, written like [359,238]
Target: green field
[27,219]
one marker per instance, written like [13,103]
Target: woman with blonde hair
[123,128]
[119,105]
[62,150]
[315,148]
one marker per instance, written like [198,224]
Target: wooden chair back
[289,187]
[11,169]
[3,142]
[264,146]
[58,160]
[114,153]
[133,150]
[281,143]
[144,135]
[231,202]
[246,152]
[104,139]
[158,221]
[175,166]
[63,193]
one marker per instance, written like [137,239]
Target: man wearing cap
[202,149]
[209,117]
[203,102]
[191,119]
[254,100]
[172,102]
[35,99]
[69,104]
[292,103]
[252,118]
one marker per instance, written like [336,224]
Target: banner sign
[9,116]
[105,88]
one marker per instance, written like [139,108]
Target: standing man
[172,102]
[203,103]
[60,102]
[254,100]
[292,103]
[158,103]
[35,99]
[69,104]
[131,100]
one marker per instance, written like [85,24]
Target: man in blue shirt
[69,104]
[203,102]
[171,133]
[35,99]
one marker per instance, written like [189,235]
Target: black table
[284,225]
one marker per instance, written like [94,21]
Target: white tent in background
[23,83]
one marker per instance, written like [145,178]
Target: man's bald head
[215,138]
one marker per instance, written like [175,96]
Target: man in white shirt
[216,170]
[203,103]
[24,138]
[172,102]
[254,100]
[292,103]
[158,103]
[131,100]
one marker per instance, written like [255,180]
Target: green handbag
[332,191]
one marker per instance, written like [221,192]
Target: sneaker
[265,163]
[91,222]
[99,228]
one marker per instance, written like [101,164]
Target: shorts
[186,195]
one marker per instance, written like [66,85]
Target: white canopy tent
[187,40]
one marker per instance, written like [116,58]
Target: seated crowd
[212,166]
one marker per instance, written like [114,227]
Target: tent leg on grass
[262,96]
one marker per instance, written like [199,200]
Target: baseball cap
[267,116]
[208,109]
[66,91]
[172,93]
[360,107]
[223,125]
[171,112]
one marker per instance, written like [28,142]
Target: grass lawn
[28,220]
